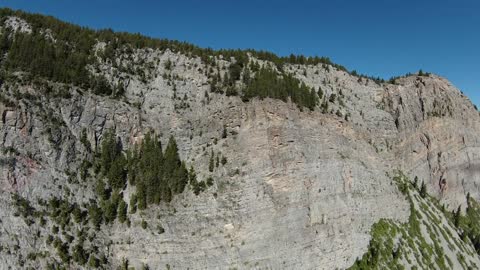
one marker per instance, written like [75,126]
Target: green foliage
[101,86]
[95,214]
[62,250]
[197,186]
[66,58]
[320,93]
[224,132]
[175,172]
[79,254]
[63,60]
[235,71]
[224,160]
[157,175]
[84,140]
[102,192]
[270,83]
[110,208]
[93,262]
[78,214]
[209,181]
[457,216]
[61,211]
[332,98]
[423,190]
[42,57]
[124,265]
[122,211]
[23,206]
[113,161]
[468,224]
[168,65]
[392,243]
[133,203]
[117,173]
[211,163]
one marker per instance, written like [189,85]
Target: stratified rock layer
[300,190]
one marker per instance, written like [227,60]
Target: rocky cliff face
[300,189]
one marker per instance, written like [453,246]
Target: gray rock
[301,190]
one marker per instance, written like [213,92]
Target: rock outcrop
[299,190]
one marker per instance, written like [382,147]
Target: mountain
[121,151]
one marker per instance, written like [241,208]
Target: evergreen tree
[468,200]
[102,192]
[224,160]
[110,149]
[175,170]
[95,214]
[122,211]
[133,203]
[119,90]
[79,254]
[93,262]
[224,133]
[125,264]
[141,196]
[457,216]
[332,98]
[235,71]
[211,164]
[117,173]
[423,190]
[320,93]
[270,83]
[110,208]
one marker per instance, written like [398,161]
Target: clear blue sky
[380,38]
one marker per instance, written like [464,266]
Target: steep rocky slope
[300,189]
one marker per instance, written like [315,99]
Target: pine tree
[423,190]
[457,216]
[211,164]
[332,98]
[95,215]
[122,211]
[133,203]
[117,174]
[468,201]
[213,85]
[125,264]
[141,196]
[224,133]
[320,93]
[102,192]
[93,262]
[110,208]
[119,90]
[181,178]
